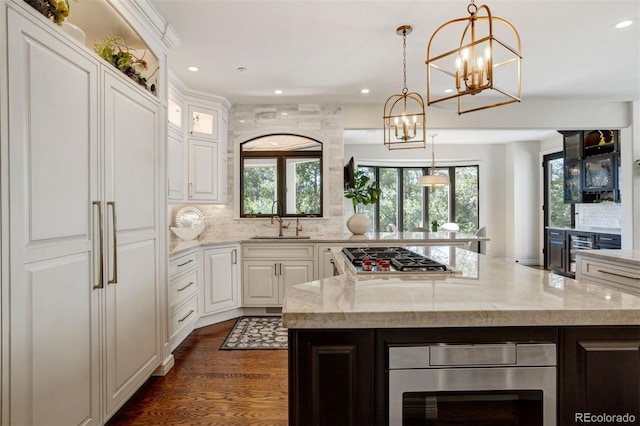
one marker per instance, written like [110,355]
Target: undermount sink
[284,237]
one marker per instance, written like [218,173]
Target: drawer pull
[602,271]
[186,286]
[185,263]
[186,316]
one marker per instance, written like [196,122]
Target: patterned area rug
[256,333]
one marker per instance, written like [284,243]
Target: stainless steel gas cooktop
[392,259]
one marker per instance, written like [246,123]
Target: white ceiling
[324,51]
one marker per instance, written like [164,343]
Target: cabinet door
[573,141]
[260,283]
[203,170]
[573,182]
[203,122]
[293,272]
[600,372]
[221,290]
[53,252]
[175,165]
[132,336]
[325,262]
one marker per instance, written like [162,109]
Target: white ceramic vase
[359,224]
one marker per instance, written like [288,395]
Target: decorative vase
[359,224]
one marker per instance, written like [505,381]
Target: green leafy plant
[434,225]
[56,9]
[364,191]
[115,51]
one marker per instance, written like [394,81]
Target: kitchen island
[342,328]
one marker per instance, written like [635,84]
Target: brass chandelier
[482,71]
[404,119]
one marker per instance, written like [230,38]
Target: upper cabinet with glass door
[203,122]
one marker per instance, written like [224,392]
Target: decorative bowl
[188,233]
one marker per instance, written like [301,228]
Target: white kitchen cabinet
[197,155]
[184,295]
[175,169]
[83,252]
[204,122]
[325,260]
[204,162]
[268,269]
[176,143]
[221,275]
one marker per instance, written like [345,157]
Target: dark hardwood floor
[208,386]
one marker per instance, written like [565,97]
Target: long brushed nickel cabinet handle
[186,286]
[234,256]
[100,283]
[186,316]
[602,271]
[114,280]
[185,263]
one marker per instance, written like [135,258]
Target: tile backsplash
[600,215]
[245,122]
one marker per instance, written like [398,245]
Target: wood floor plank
[208,386]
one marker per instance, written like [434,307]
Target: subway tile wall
[600,215]
[323,122]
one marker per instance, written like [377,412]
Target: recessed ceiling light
[448,91]
[285,113]
[364,91]
[278,92]
[624,24]
[192,68]
[242,121]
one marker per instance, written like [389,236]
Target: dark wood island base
[341,376]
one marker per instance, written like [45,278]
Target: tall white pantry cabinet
[83,322]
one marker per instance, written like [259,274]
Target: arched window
[281,174]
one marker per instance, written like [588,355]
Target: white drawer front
[183,316]
[283,251]
[183,287]
[626,278]
[183,263]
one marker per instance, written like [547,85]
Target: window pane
[303,185]
[559,212]
[389,197]
[412,199]
[439,201]
[259,185]
[466,198]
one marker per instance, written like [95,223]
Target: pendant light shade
[481,70]
[404,118]
[432,179]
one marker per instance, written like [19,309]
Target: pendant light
[404,120]
[481,71]
[432,179]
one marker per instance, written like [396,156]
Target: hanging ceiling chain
[404,60]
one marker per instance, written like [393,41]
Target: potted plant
[434,225]
[364,191]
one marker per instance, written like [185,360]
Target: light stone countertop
[396,238]
[591,229]
[629,257]
[490,292]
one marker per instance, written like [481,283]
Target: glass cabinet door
[203,122]
[599,173]
[573,182]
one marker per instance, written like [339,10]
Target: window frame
[378,227]
[281,182]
